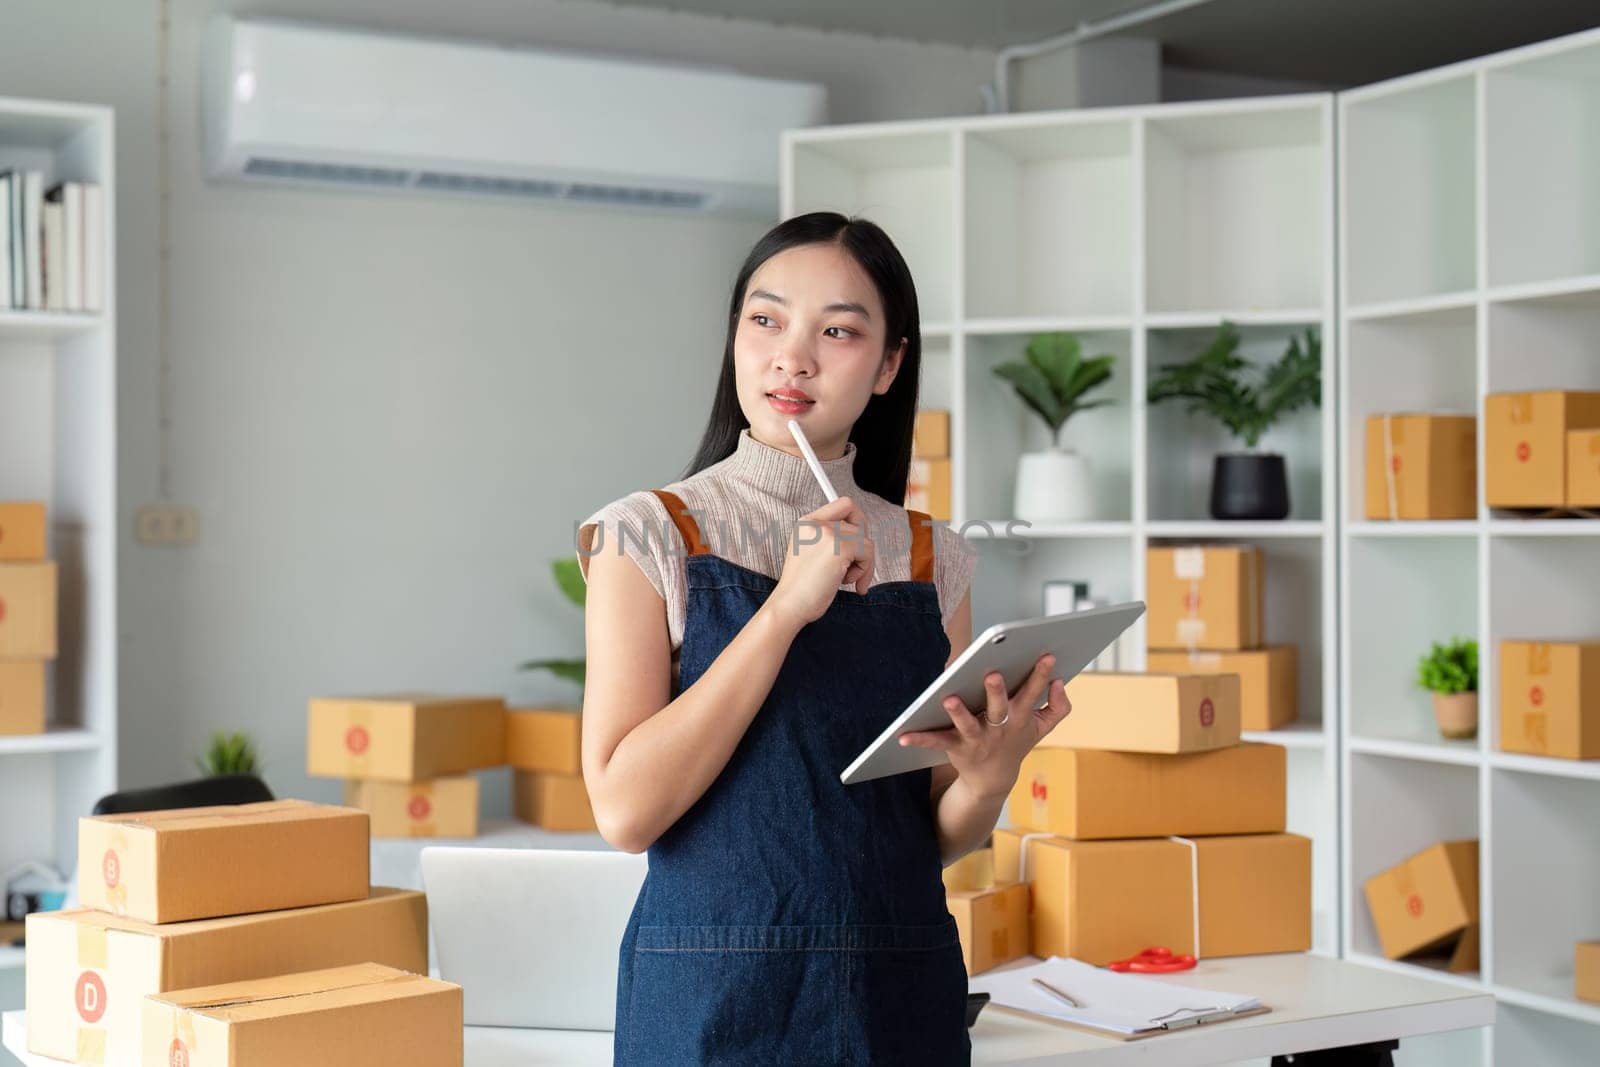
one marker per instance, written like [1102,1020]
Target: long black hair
[882,434]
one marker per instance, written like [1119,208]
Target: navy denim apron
[787,918]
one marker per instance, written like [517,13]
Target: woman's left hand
[986,747]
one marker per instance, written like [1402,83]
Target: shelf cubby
[999,427]
[1405,593]
[1049,219]
[1409,189]
[1549,342]
[1181,446]
[903,181]
[1542,158]
[1237,208]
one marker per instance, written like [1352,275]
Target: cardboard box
[404,737]
[993,925]
[1149,713]
[928,488]
[971,871]
[1089,794]
[88,972]
[930,437]
[1525,445]
[1268,696]
[552,801]
[545,739]
[1422,467]
[367,1015]
[22,699]
[1205,596]
[28,610]
[1100,901]
[196,863]
[1583,468]
[1586,971]
[1550,698]
[24,537]
[1429,903]
[444,807]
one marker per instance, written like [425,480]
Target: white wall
[389,411]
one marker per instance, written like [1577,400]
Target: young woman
[746,639]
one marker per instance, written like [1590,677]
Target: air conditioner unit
[291,102]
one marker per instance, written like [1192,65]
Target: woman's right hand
[829,548]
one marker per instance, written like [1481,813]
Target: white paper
[1121,1003]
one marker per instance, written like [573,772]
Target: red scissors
[1155,960]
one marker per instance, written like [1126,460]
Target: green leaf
[228,753]
[1034,389]
[1450,668]
[570,669]
[1057,356]
[1219,383]
[569,577]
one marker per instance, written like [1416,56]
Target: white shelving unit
[58,444]
[1470,262]
[1138,229]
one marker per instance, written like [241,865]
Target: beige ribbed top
[746,505]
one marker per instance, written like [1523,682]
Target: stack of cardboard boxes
[1206,605]
[404,758]
[1428,905]
[1141,820]
[544,748]
[928,489]
[205,938]
[1542,450]
[27,616]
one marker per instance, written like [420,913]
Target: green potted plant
[1247,401]
[569,578]
[1055,485]
[1450,673]
[228,753]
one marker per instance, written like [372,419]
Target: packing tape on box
[183,1036]
[1391,489]
[1194,888]
[91,1046]
[1022,853]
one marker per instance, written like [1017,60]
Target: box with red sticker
[404,737]
[443,807]
[28,610]
[991,917]
[1428,905]
[360,1015]
[1149,712]
[1205,596]
[1550,698]
[1093,794]
[195,863]
[87,972]
[1422,467]
[1267,680]
[1525,445]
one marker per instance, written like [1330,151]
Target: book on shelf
[52,244]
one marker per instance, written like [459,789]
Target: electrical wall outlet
[166,524]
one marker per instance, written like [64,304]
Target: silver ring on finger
[1001,721]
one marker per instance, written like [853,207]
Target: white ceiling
[1331,42]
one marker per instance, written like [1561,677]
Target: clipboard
[1123,1007]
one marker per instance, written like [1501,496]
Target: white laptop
[531,935]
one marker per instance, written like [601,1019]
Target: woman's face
[810,346]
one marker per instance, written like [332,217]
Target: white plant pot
[1054,486]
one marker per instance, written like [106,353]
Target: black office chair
[199,793]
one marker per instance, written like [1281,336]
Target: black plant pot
[1249,485]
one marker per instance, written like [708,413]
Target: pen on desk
[1053,991]
[799,436]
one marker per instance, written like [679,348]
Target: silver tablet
[1012,648]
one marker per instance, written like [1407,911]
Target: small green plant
[1056,378]
[570,580]
[1450,668]
[1216,383]
[228,753]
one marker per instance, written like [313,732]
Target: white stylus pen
[811,458]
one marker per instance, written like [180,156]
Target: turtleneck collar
[788,476]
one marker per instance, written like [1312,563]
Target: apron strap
[921,546]
[688,529]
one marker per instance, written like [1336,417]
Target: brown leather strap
[688,529]
[921,546]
